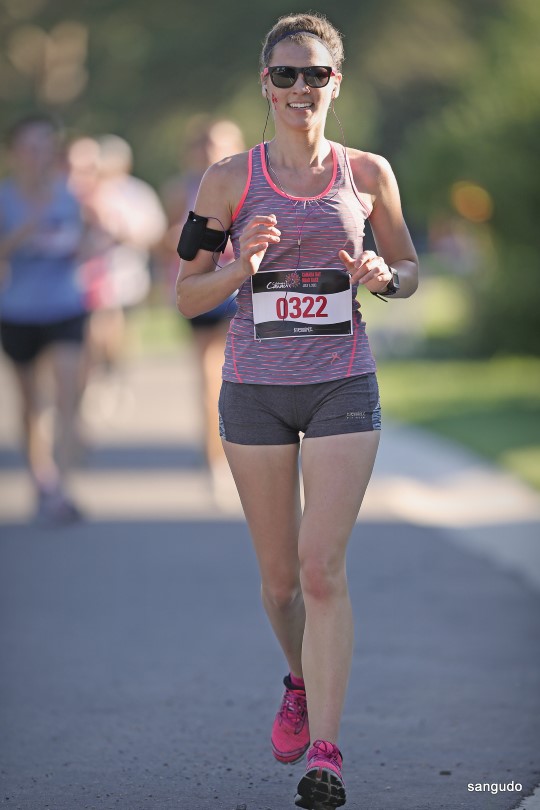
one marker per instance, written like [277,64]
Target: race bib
[301,303]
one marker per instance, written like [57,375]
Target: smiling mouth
[299,106]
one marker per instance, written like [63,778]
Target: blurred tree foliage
[149,66]
[448,90]
[490,136]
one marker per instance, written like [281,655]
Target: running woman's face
[34,149]
[301,106]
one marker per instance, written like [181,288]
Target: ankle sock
[297,683]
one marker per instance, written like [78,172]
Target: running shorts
[277,414]
[22,342]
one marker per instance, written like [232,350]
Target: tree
[490,136]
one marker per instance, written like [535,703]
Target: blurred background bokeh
[448,91]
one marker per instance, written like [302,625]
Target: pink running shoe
[322,787]
[290,732]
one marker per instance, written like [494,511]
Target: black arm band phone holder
[196,235]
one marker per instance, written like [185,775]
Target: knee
[322,578]
[281,595]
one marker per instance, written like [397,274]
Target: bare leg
[336,471]
[37,445]
[68,368]
[210,348]
[268,484]
[106,339]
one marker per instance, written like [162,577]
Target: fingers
[347,260]
[368,269]
[262,227]
[255,239]
[260,233]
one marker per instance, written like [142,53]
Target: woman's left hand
[368,269]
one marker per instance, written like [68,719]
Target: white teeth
[300,106]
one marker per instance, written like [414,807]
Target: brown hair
[297,28]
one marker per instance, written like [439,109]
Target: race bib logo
[292,280]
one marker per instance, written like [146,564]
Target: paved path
[138,668]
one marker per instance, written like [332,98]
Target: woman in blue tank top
[42,312]
[298,362]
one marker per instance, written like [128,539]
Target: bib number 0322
[306,307]
[306,303]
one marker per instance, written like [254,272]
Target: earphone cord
[344,144]
[317,202]
[224,242]
[269,164]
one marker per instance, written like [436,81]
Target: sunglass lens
[317,76]
[283,76]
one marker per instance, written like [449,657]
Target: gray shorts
[276,414]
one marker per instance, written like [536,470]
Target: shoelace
[324,752]
[293,707]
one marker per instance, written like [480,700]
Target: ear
[337,84]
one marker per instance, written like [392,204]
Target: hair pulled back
[313,23]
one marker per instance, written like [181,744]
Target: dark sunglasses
[284,76]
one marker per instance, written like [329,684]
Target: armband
[196,235]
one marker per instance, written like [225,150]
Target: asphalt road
[138,670]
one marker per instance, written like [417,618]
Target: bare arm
[198,287]
[373,175]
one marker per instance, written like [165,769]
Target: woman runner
[42,310]
[297,360]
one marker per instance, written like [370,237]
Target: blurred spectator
[42,311]
[207,142]
[124,220]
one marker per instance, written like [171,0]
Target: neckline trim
[291,196]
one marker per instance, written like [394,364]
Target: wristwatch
[393,284]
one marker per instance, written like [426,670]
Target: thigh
[67,365]
[27,377]
[336,471]
[267,479]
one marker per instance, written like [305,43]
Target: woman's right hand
[258,234]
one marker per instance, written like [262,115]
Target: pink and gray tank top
[325,224]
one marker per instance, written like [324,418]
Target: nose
[303,86]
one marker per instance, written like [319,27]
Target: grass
[490,406]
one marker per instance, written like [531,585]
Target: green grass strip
[490,406]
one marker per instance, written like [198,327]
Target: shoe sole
[284,761]
[320,789]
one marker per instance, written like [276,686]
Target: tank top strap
[257,161]
[345,171]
